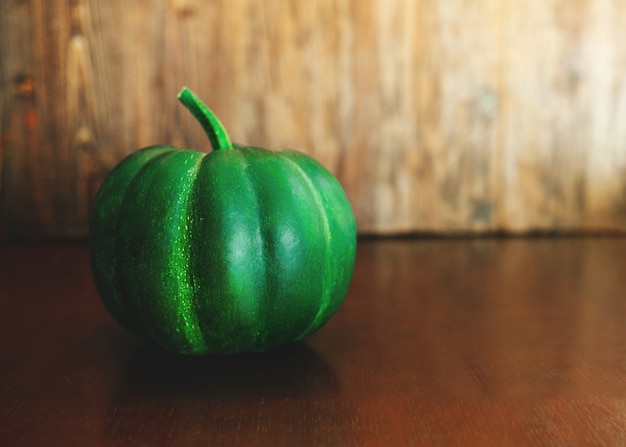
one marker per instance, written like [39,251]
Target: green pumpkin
[236,250]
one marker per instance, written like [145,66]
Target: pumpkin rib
[342,231]
[227,247]
[145,245]
[104,255]
[194,337]
[194,216]
[126,309]
[325,299]
[259,331]
[289,222]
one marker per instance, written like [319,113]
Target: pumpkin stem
[207,119]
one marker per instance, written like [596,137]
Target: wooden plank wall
[444,116]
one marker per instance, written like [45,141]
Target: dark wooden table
[440,342]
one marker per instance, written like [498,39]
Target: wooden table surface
[440,342]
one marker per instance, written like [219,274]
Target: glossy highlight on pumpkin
[239,249]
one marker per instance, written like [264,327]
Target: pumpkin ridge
[192,333]
[260,331]
[116,222]
[193,217]
[228,258]
[251,173]
[325,299]
[121,312]
[292,219]
[126,250]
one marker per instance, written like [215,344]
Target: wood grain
[472,342]
[443,117]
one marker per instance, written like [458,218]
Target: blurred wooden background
[436,116]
